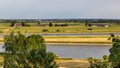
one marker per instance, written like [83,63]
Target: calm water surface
[76,51]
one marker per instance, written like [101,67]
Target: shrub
[45,30]
[100,63]
[90,29]
[57,30]
[50,24]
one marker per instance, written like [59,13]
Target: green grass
[4,24]
[72,28]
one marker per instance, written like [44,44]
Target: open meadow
[71,28]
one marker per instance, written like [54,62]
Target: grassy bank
[78,39]
[73,63]
[75,39]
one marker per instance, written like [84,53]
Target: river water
[76,51]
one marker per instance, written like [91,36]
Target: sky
[59,9]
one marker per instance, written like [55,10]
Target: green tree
[12,23]
[50,24]
[89,24]
[23,23]
[114,56]
[27,52]
[86,23]
[15,48]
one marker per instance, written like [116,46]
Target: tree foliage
[50,24]
[27,52]
[12,23]
[114,56]
[113,61]
[99,63]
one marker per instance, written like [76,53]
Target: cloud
[59,8]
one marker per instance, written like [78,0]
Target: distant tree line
[115,21]
[17,24]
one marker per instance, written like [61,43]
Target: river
[76,51]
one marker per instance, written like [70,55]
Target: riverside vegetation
[27,52]
[113,61]
[32,53]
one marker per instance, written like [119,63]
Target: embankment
[75,39]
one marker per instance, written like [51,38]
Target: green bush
[100,63]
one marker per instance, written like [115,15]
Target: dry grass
[72,39]
[73,63]
[77,40]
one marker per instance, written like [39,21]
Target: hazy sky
[40,9]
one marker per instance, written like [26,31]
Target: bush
[90,29]
[50,24]
[45,30]
[100,63]
[57,30]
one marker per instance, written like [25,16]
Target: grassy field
[72,28]
[69,29]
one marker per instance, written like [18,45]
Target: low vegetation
[100,63]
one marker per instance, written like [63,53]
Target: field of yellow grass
[75,39]
[73,63]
